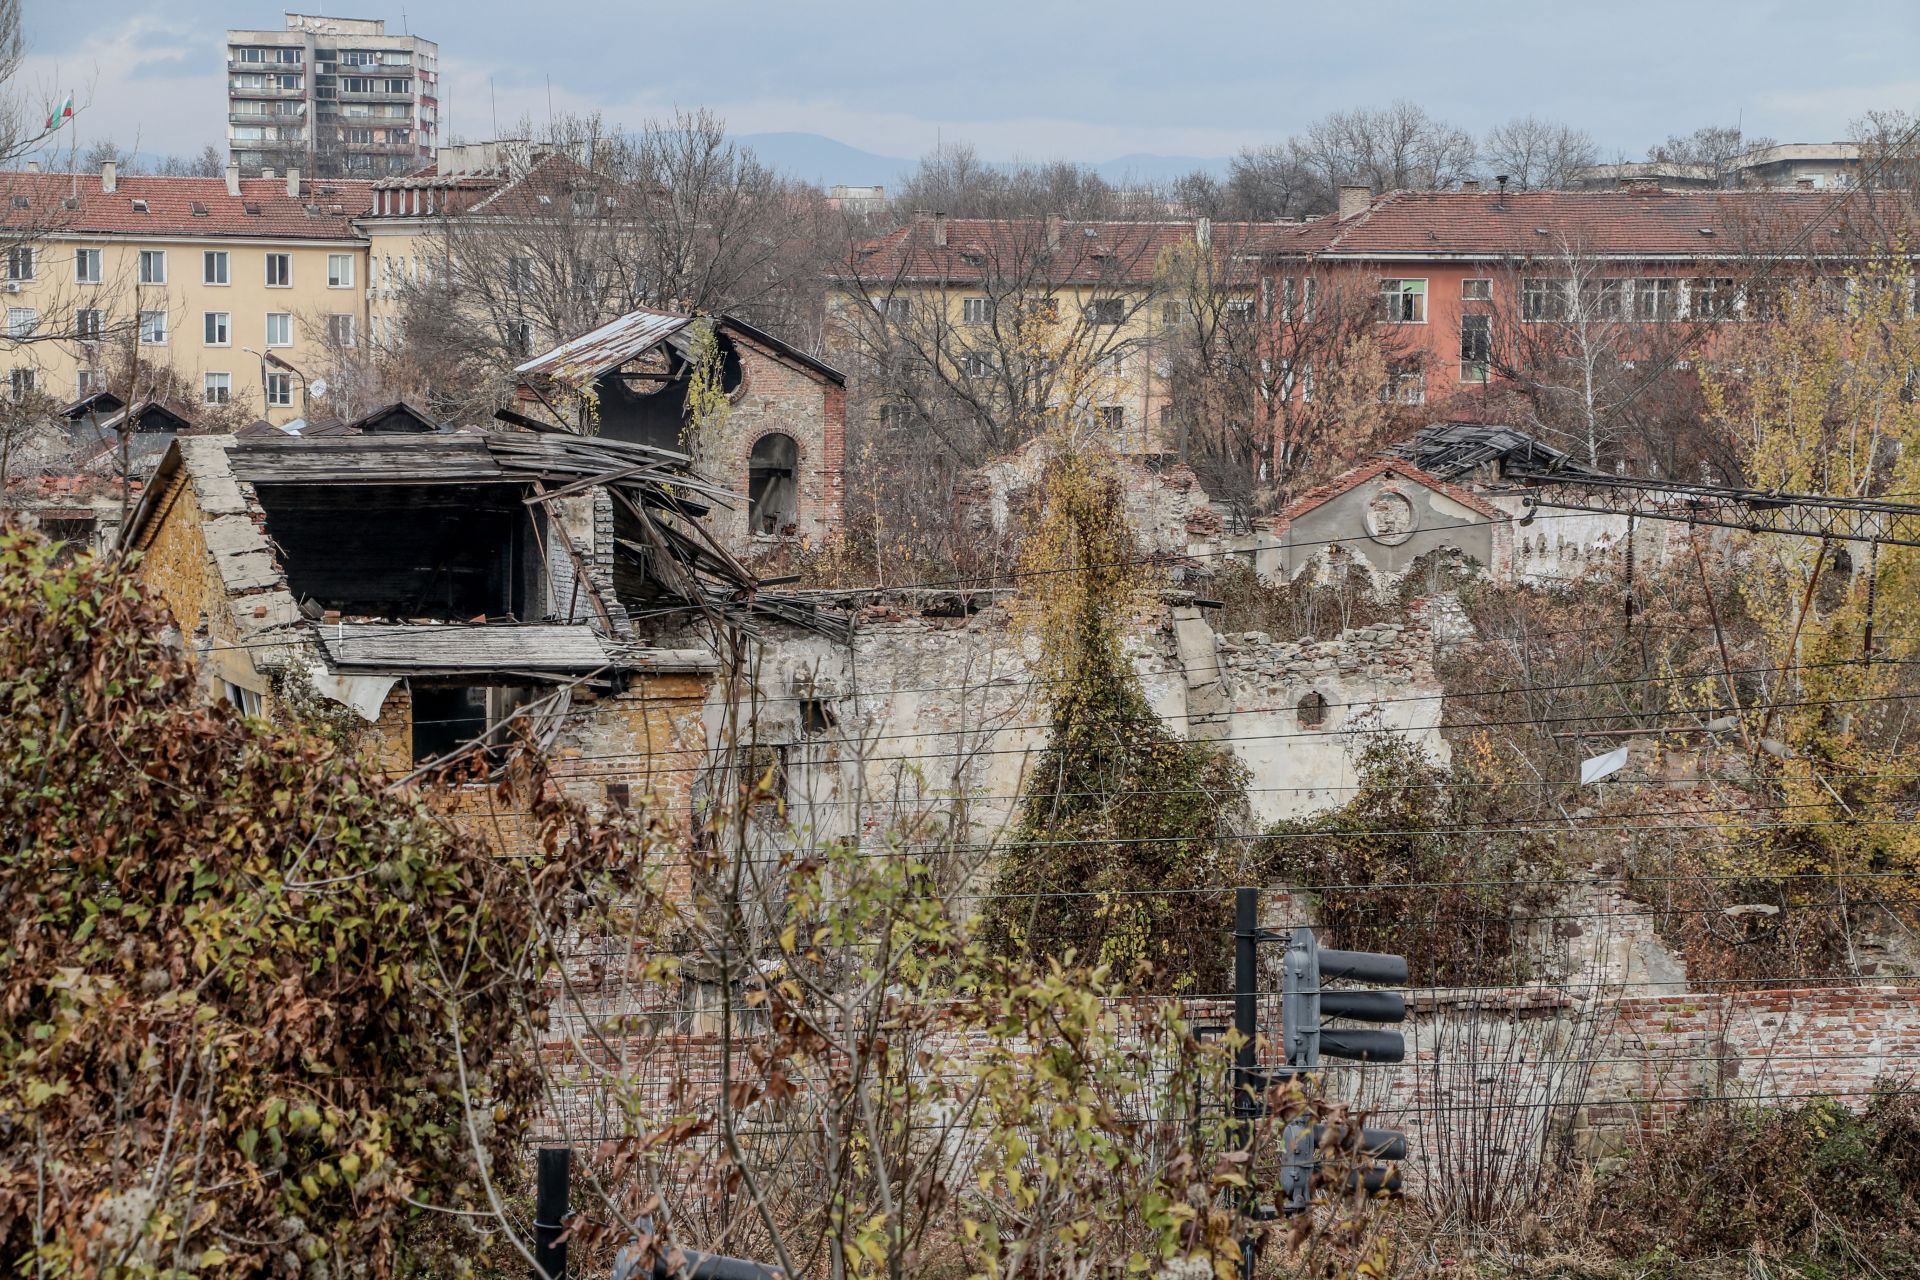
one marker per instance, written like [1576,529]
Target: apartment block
[228,293]
[334,97]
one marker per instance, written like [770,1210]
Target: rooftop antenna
[1500,201]
[493,105]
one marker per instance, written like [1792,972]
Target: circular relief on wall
[1390,517]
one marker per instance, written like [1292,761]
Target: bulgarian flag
[61,114]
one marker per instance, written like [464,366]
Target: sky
[1039,80]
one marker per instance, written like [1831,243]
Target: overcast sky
[1043,80]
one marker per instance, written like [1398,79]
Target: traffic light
[1303,1006]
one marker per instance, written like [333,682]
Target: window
[1605,299]
[22,321]
[246,701]
[279,329]
[448,717]
[894,309]
[773,492]
[213,267]
[86,382]
[1239,310]
[153,328]
[356,84]
[1111,418]
[279,271]
[20,263]
[1405,384]
[340,329]
[339,271]
[1476,290]
[1311,711]
[279,388]
[396,86]
[153,266]
[87,324]
[23,382]
[519,274]
[1656,298]
[1106,311]
[1542,299]
[1113,365]
[1712,298]
[893,415]
[217,388]
[1403,301]
[520,338]
[976,310]
[974,364]
[1172,312]
[219,328]
[86,266]
[1476,347]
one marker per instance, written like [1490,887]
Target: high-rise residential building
[335,97]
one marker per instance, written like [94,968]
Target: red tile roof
[1077,252]
[74,203]
[1644,223]
[1366,471]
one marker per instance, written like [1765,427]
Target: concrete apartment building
[335,97]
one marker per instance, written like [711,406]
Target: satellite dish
[318,387]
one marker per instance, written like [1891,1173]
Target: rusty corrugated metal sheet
[606,348]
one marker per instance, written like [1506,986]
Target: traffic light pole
[1246,1057]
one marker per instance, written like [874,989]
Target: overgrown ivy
[1120,816]
[255,1008]
[1415,864]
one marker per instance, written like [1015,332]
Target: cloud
[152,84]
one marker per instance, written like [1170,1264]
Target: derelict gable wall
[1438,522]
[777,395]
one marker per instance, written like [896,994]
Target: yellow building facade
[224,297]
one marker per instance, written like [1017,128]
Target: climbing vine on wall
[1121,819]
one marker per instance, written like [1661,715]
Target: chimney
[1055,225]
[1353,199]
[1641,186]
[1803,184]
[233,181]
[940,230]
[293,184]
[266,173]
[1469,184]
[1203,232]
[109,177]
[33,166]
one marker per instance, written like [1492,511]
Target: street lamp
[268,358]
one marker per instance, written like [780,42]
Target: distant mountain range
[812,157]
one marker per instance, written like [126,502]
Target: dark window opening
[1312,710]
[438,553]
[773,485]
[448,717]
[619,796]
[70,536]
[645,402]
[763,773]
[816,717]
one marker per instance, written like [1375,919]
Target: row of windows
[215,388]
[89,323]
[1108,417]
[1638,298]
[1106,311]
[216,267]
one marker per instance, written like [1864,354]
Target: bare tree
[1536,154]
[1275,182]
[208,162]
[1712,148]
[955,181]
[591,223]
[974,349]
[1598,357]
[1398,147]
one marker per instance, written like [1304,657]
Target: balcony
[270,91]
[265,68]
[373,95]
[294,118]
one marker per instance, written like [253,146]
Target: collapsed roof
[1450,450]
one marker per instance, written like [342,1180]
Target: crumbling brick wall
[776,396]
